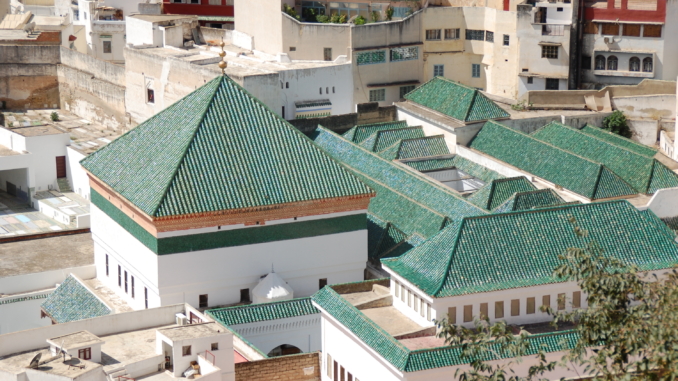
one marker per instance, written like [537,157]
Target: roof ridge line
[404,169]
[219,80]
[578,131]
[256,305]
[615,135]
[571,204]
[452,256]
[615,175]
[493,185]
[473,102]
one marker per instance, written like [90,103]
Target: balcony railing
[552,30]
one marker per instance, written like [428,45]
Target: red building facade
[211,13]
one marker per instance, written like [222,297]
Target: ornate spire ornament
[222,54]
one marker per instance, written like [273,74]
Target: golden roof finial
[222,54]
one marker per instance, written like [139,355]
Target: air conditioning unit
[181,319]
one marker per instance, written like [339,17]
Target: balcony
[552,30]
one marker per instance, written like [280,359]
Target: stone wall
[367,113]
[93,89]
[301,367]
[576,97]
[28,77]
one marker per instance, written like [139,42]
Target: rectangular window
[576,299]
[498,310]
[150,96]
[125,282]
[336,371]
[631,30]
[422,308]
[327,54]
[146,297]
[549,51]
[186,350]
[293,49]
[489,36]
[404,54]
[403,291]
[561,302]
[322,283]
[375,57]
[590,28]
[531,306]
[438,70]
[378,95]
[195,1]
[432,34]
[477,35]
[507,40]
[409,298]
[107,46]
[452,34]
[610,29]
[483,310]
[132,285]
[452,315]
[404,90]
[85,353]
[245,295]
[416,303]
[468,313]
[475,70]
[552,84]
[329,366]
[214,347]
[515,307]
[106,264]
[652,30]
[546,300]
[586,62]
[397,289]
[202,301]
[119,276]
[342,372]
[530,80]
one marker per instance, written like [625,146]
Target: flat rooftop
[75,339]
[71,368]
[128,347]
[527,114]
[192,331]
[86,136]
[45,254]
[160,18]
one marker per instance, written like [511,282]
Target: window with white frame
[475,70]
[477,35]
[549,51]
[438,70]
[378,95]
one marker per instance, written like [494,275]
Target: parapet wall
[367,113]
[577,97]
[28,77]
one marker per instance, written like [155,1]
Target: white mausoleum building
[196,204]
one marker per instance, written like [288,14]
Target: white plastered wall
[301,331]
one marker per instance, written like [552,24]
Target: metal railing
[552,30]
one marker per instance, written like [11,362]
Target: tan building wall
[301,367]
[262,19]
[309,40]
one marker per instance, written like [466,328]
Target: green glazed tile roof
[73,301]
[671,222]
[419,147]
[383,139]
[658,223]
[361,132]
[218,148]
[521,249]
[530,200]
[417,360]
[474,169]
[413,203]
[620,141]
[456,100]
[634,168]
[580,175]
[264,311]
[433,164]
[496,192]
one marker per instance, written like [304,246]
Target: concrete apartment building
[627,41]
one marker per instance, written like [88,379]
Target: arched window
[647,65]
[600,63]
[612,63]
[634,64]
[282,350]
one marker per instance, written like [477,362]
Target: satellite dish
[35,362]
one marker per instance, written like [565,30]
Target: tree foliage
[629,331]
[616,123]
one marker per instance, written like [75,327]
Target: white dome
[273,288]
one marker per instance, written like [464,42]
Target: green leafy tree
[374,16]
[628,332]
[291,11]
[360,20]
[323,18]
[389,13]
[616,122]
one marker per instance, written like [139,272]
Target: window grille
[378,95]
[489,36]
[432,34]
[374,57]
[404,90]
[647,65]
[404,54]
[475,70]
[612,63]
[438,70]
[549,51]
[634,64]
[452,34]
[507,40]
[477,35]
[600,63]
